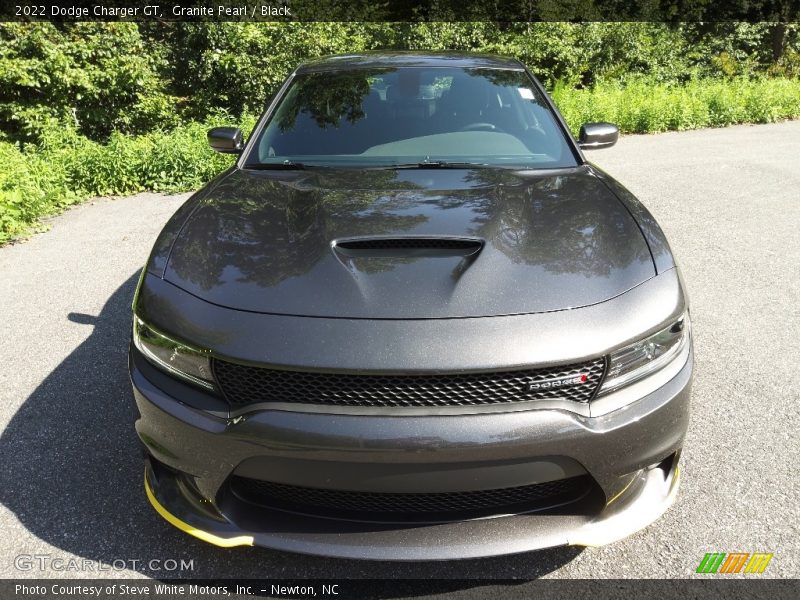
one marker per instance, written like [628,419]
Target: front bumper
[630,453]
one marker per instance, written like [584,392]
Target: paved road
[70,475]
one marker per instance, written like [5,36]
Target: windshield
[412,116]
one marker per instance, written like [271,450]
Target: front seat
[465,103]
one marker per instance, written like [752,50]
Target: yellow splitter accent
[242,540]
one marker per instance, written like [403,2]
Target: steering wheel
[480,127]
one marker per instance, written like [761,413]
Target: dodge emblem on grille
[558,382]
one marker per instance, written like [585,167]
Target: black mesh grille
[244,385]
[387,505]
[409,243]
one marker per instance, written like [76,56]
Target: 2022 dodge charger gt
[411,322]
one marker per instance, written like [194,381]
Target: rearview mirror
[594,136]
[226,139]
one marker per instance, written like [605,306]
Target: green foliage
[238,66]
[132,78]
[643,106]
[92,109]
[66,167]
[93,77]
[29,189]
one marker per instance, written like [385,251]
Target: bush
[66,167]
[94,77]
[643,106]
[30,187]
[237,66]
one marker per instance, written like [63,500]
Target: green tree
[95,77]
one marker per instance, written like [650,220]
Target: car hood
[440,243]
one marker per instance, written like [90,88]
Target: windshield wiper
[440,164]
[287,165]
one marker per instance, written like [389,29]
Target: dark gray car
[412,322]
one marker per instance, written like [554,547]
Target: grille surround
[414,506]
[244,385]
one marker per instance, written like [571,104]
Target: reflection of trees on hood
[330,97]
[267,228]
[549,222]
[267,231]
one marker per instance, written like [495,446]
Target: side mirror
[227,140]
[594,136]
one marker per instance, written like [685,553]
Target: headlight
[639,360]
[172,356]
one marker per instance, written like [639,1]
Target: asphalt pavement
[71,474]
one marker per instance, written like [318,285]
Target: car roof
[364,60]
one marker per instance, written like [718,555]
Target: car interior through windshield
[362,117]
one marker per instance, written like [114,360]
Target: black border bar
[712,587]
[672,11]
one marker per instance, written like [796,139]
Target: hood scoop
[404,258]
[407,247]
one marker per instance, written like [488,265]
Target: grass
[65,168]
[642,107]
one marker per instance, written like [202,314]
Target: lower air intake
[389,506]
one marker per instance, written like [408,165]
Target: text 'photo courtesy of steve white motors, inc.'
[167,590]
[154,11]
